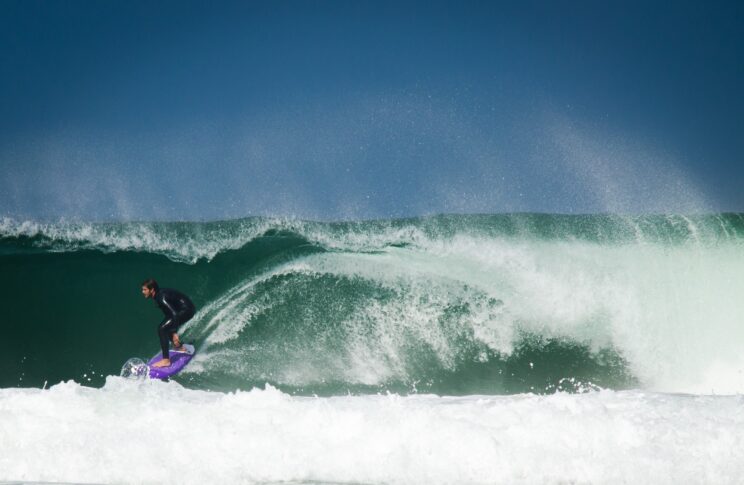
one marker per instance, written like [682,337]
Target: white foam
[673,312]
[153,432]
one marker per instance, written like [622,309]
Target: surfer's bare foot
[162,363]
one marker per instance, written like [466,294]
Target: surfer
[178,310]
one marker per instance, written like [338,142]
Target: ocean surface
[511,348]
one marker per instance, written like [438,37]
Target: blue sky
[327,110]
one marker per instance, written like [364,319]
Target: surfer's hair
[150,284]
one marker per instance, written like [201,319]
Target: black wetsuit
[178,310]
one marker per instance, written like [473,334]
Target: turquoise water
[455,305]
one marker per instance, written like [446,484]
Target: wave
[473,304]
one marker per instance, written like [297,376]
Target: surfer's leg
[165,330]
[180,319]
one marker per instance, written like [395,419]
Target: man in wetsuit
[178,310]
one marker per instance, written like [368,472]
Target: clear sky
[326,110]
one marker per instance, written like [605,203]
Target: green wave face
[466,304]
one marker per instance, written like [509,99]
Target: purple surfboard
[178,362]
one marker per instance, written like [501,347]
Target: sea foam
[153,432]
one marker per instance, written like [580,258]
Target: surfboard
[178,362]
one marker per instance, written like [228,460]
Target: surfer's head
[149,288]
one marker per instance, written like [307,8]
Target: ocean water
[514,348]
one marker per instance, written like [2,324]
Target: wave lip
[192,241]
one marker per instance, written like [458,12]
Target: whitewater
[512,348]
[157,432]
